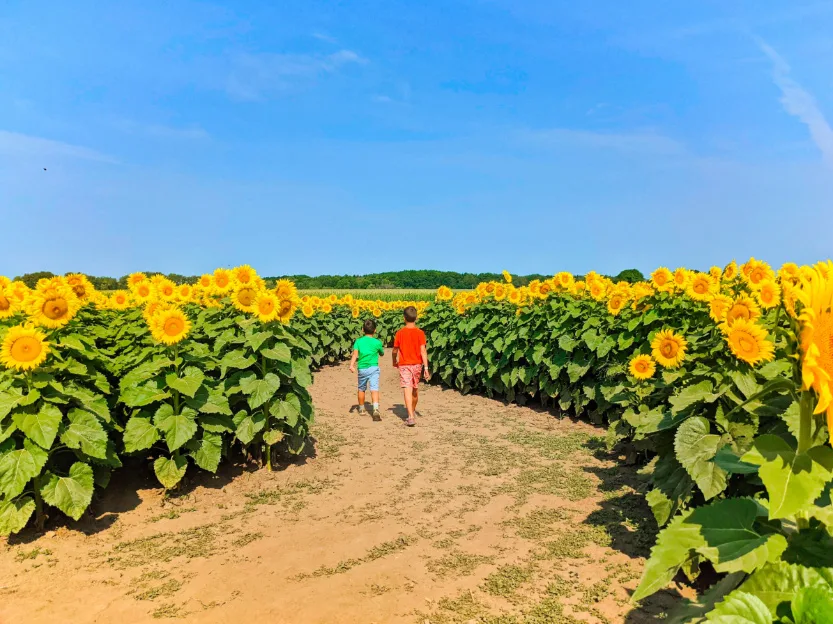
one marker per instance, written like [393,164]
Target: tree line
[420,279]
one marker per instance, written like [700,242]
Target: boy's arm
[394,354]
[353,360]
[423,351]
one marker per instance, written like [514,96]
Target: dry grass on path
[482,513]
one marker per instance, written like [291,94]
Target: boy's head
[369,327]
[410,314]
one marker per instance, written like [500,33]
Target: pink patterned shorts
[409,375]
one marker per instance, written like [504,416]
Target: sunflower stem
[805,424]
[40,518]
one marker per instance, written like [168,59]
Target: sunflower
[377,312]
[742,307]
[768,294]
[616,303]
[507,277]
[119,300]
[662,279]
[266,307]
[285,289]
[244,274]
[355,312]
[24,348]
[789,297]
[564,279]
[170,326]
[730,271]
[748,342]
[444,293]
[668,348]
[184,293]
[53,307]
[165,289]
[702,287]
[143,291]
[718,306]
[8,305]
[243,298]
[134,279]
[681,277]
[545,289]
[515,296]
[80,285]
[500,292]
[5,282]
[223,282]
[642,367]
[816,294]
[716,272]
[326,307]
[18,291]
[206,281]
[286,308]
[597,289]
[789,273]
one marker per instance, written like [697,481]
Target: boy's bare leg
[409,401]
[361,400]
[416,398]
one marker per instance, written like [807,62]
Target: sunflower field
[181,375]
[719,381]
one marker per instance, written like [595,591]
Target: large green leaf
[741,608]
[143,372]
[695,448]
[139,396]
[210,400]
[7,428]
[235,359]
[15,514]
[672,488]
[301,373]
[170,471]
[279,352]
[675,546]
[177,428]
[71,494]
[261,390]
[256,339]
[272,436]
[812,605]
[188,383]
[139,434]
[86,433]
[793,480]
[207,456]
[9,399]
[777,583]
[41,426]
[250,426]
[732,543]
[18,467]
[697,393]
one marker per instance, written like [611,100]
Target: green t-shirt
[369,349]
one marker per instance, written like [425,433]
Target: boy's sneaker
[362,411]
[377,415]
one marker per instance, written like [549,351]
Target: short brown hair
[410,314]
[369,327]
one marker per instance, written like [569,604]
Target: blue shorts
[369,376]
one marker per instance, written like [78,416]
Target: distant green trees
[418,279]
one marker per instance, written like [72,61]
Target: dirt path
[482,513]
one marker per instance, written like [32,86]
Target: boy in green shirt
[366,351]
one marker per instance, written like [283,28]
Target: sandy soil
[482,513]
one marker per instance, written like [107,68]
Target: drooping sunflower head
[444,293]
[789,273]
[223,281]
[718,306]
[545,289]
[642,367]
[266,307]
[286,309]
[702,287]
[80,285]
[716,272]
[662,279]
[243,298]
[500,292]
[668,348]
[170,326]
[730,271]
[24,348]
[816,318]
[768,294]
[507,277]
[747,341]
[742,307]
[18,291]
[8,304]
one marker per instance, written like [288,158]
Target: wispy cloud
[254,76]
[190,133]
[800,103]
[21,145]
[641,142]
[324,37]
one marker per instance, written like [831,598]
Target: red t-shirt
[408,340]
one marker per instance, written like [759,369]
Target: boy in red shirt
[411,357]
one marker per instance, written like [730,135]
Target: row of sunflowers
[181,375]
[719,381]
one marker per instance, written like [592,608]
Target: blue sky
[361,136]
